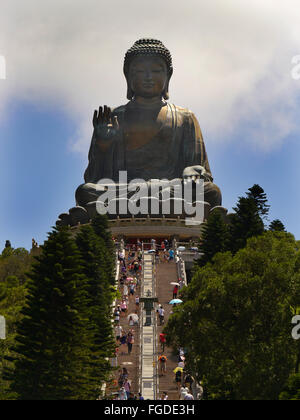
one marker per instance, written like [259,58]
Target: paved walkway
[139,363]
[148,335]
[165,274]
[130,362]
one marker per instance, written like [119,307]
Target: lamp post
[148,306]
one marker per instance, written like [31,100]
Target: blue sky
[38,172]
[232,68]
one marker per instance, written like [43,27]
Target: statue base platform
[152,227]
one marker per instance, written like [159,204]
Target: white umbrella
[174,283]
[135,317]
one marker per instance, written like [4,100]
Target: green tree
[245,223]
[15,262]
[8,250]
[100,227]
[277,226]
[94,252]
[260,197]
[235,322]
[214,237]
[53,341]
[12,300]
[291,391]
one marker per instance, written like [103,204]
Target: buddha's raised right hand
[105,128]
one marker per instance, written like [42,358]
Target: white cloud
[232,60]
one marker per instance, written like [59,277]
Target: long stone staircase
[142,364]
[166,272]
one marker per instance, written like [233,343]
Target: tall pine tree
[277,226]
[260,197]
[100,227]
[53,341]
[245,223]
[214,238]
[94,252]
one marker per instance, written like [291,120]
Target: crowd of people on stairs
[129,289]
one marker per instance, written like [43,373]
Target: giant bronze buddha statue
[148,137]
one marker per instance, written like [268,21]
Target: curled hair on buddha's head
[148,47]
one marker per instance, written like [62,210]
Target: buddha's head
[148,69]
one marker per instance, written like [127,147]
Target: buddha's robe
[177,145]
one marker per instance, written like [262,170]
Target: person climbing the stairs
[163,364]
[162,339]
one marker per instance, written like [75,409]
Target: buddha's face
[148,76]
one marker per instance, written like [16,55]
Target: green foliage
[214,237]
[245,224]
[12,300]
[277,226]
[15,262]
[52,339]
[235,322]
[13,265]
[100,227]
[64,337]
[291,391]
[260,197]
[96,268]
